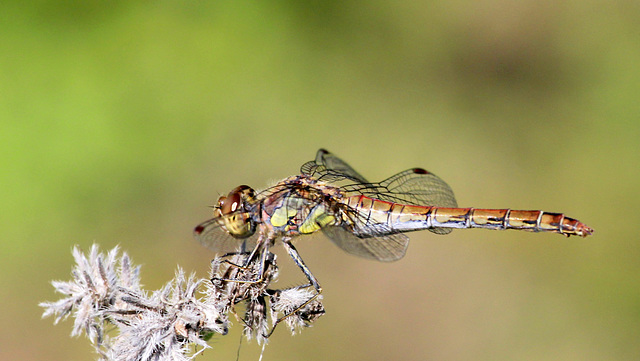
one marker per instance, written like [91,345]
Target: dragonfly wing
[328,167]
[384,247]
[212,235]
[413,186]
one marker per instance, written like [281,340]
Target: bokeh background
[122,121]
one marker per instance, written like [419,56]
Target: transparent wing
[413,186]
[386,247]
[357,236]
[329,168]
[212,235]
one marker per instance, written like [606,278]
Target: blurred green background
[122,121]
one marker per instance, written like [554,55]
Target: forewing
[212,235]
[384,247]
[329,168]
[413,186]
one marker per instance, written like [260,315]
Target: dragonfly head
[233,208]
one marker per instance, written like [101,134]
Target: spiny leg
[312,279]
[248,284]
[261,247]
[293,252]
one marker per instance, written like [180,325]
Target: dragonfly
[365,219]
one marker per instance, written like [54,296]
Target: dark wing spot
[199,229]
[323,151]
[420,171]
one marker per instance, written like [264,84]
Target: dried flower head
[298,307]
[166,324]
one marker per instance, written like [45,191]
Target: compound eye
[246,191]
[231,203]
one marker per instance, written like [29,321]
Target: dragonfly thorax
[300,205]
[233,210]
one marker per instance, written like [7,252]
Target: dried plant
[169,323]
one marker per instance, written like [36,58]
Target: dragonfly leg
[312,279]
[293,252]
[226,257]
[264,254]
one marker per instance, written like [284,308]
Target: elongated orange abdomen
[403,218]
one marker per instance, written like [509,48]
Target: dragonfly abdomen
[404,218]
[395,217]
[532,221]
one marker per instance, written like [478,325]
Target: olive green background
[121,121]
